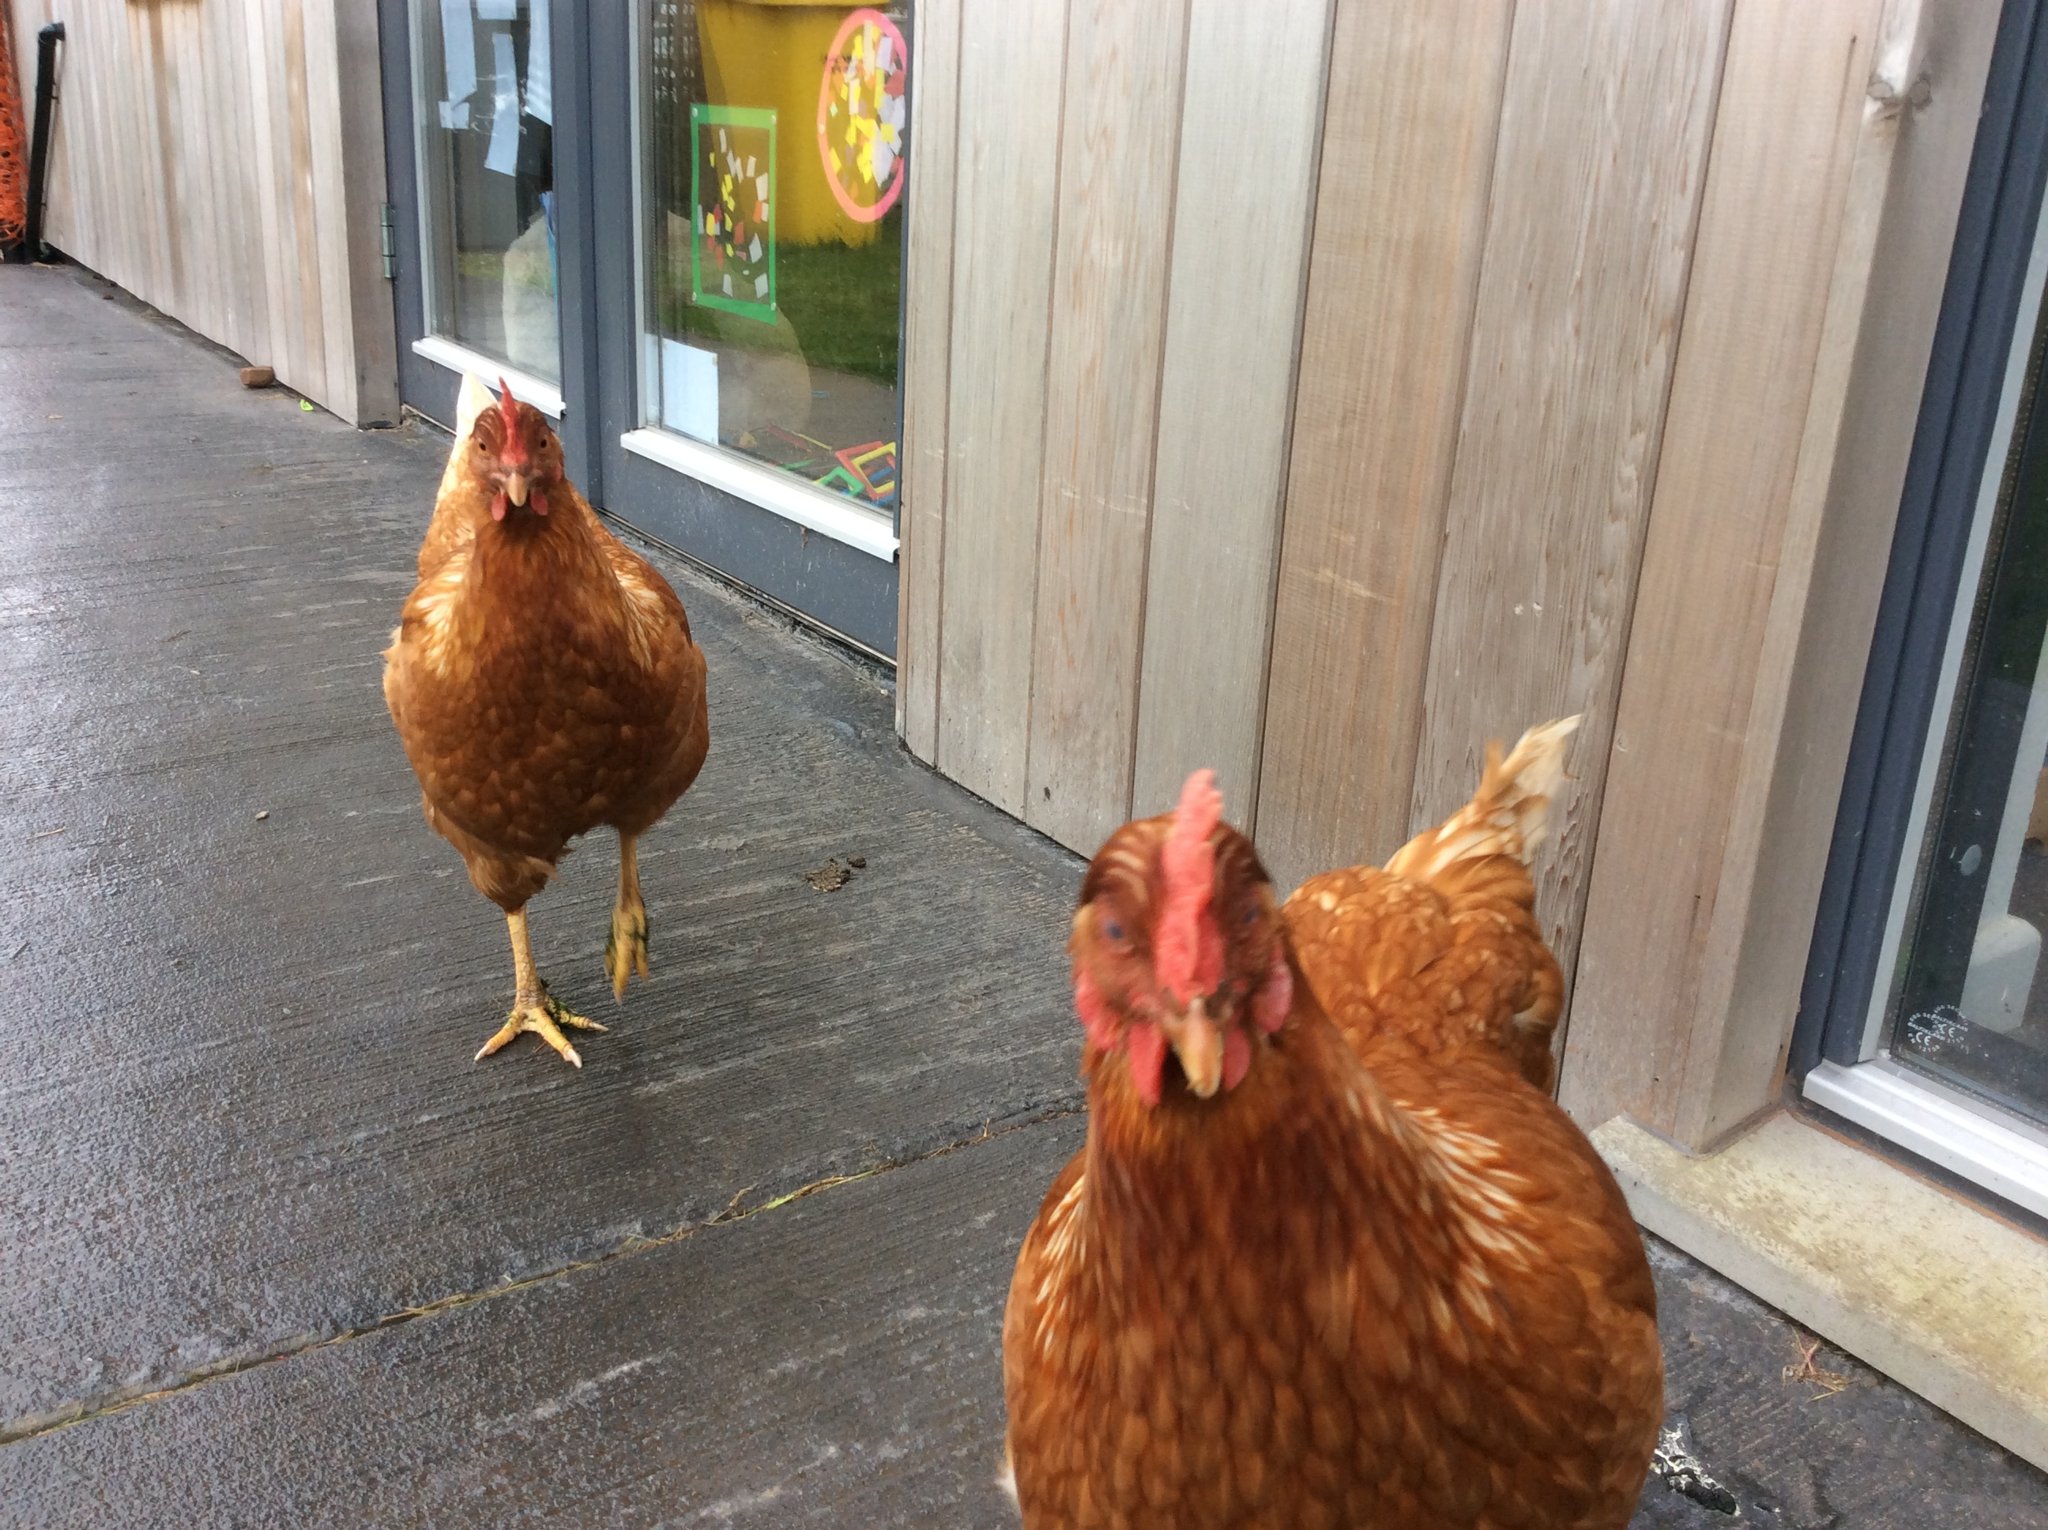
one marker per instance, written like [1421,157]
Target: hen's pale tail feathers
[473,399]
[1507,816]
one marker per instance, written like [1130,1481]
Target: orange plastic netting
[13,140]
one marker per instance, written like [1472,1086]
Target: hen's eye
[1112,930]
[1250,915]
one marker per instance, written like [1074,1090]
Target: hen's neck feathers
[552,569]
[560,544]
[1308,1158]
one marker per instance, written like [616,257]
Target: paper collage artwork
[732,197]
[861,115]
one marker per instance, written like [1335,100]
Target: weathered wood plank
[927,371]
[309,349]
[1762,266]
[1606,116]
[1400,217]
[372,340]
[1120,130]
[282,258]
[1240,268]
[1012,73]
[335,228]
[270,216]
[196,149]
[156,167]
[244,327]
[1918,124]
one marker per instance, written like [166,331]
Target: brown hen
[1329,1257]
[545,683]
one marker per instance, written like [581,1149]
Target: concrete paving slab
[834,1362]
[1830,1445]
[244,981]
[1957,1308]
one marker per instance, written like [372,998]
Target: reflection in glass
[1974,993]
[485,110]
[773,154]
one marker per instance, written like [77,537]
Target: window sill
[527,388]
[829,515]
[1941,1125]
[1938,1294]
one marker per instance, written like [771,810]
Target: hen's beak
[515,487]
[1197,1041]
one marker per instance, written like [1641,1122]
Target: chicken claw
[545,1017]
[625,949]
[534,1008]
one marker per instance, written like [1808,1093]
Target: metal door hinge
[390,237]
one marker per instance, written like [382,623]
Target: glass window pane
[484,112]
[1974,993]
[773,160]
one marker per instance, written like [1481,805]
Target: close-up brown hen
[1331,1256]
[545,683]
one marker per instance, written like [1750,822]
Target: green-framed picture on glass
[733,194]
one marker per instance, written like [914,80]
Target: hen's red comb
[517,447]
[1188,946]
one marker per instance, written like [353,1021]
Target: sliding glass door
[752,193]
[677,226]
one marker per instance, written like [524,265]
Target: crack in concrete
[32,1426]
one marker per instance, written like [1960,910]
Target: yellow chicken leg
[625,950]
[533,1007]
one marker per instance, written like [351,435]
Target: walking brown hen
[545,683]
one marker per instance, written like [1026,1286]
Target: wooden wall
[1321,393]
[208,159]
[1106,288]
[1300,399]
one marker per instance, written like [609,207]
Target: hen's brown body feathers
[1383,1281]
[545,683]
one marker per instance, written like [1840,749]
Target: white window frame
[459,358]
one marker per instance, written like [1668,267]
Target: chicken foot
[625,950]
[533,1007]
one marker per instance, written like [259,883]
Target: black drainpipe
[39,142]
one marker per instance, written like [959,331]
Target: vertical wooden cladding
[1828,246]
[1012,62]
[1120,261]
[927,343]
[1251,117]
[1400,217]
[1592,288]
[1606,116]
[207,160]
[1753,326]
[1121,127]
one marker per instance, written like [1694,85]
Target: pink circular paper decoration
[861,120]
